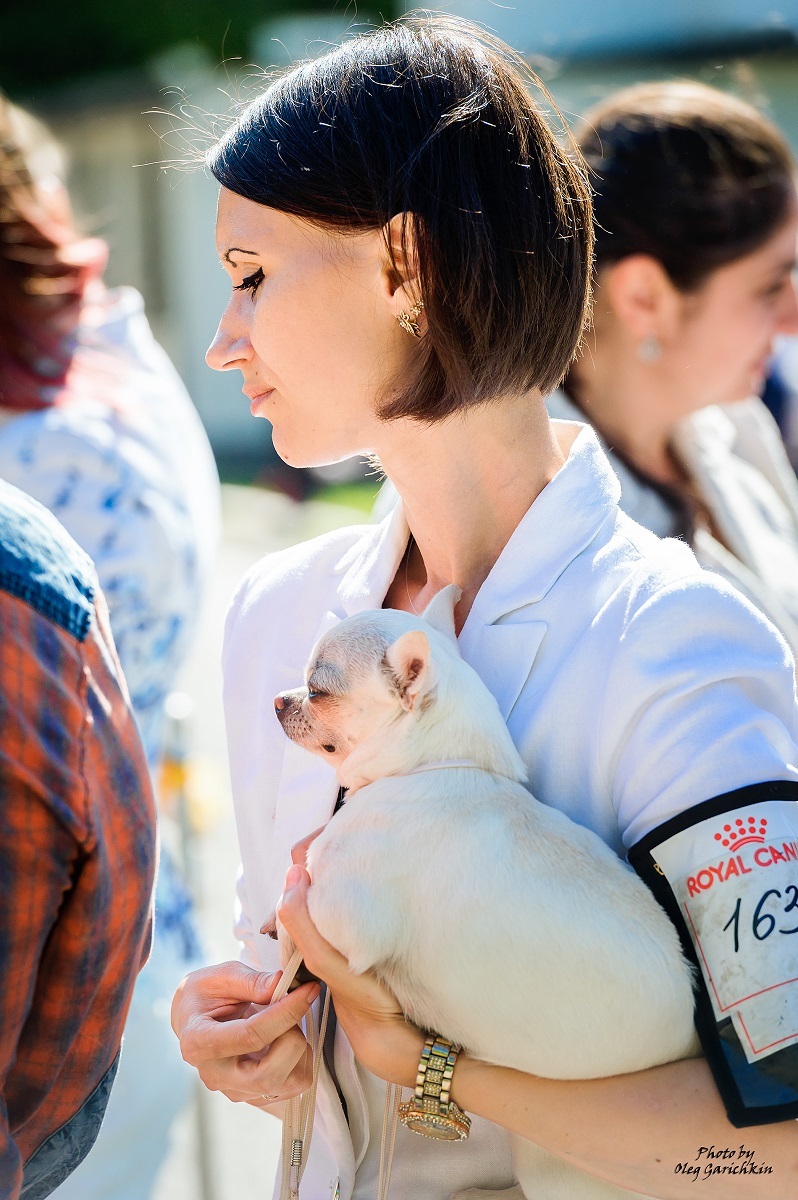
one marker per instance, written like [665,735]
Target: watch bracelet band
[434,1081]
[434,1078]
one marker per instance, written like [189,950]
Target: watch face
[442,1128]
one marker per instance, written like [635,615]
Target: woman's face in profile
[728,326]
[310,325]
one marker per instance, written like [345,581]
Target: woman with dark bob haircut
[409,250]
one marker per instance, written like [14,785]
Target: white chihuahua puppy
[494,919]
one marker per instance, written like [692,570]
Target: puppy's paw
[269,926]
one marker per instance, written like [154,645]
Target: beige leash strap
[289,971]
[390,1123]
[301,1110]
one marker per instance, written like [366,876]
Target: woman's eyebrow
[238,250]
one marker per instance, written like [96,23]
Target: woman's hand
[250,1053]
[381,1037]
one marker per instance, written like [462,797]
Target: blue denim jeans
[68,1146]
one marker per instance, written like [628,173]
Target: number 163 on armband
[726,872]
[739,898]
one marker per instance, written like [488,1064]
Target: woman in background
[95,424]
[696,224]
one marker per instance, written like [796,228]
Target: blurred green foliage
[47,42]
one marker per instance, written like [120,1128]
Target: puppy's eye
[314,695]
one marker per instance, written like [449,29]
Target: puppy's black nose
[279,703]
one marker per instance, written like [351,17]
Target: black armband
[726,872]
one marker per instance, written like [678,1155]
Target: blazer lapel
[501,637]
[503,656]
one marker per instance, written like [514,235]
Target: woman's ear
[643,298]
[402,287]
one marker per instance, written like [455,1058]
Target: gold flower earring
[409,319]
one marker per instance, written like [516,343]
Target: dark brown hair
[431,117]
[684,173]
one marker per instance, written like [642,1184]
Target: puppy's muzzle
[287,702]
[288,707]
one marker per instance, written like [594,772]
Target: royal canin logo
[737,833]
[742,832]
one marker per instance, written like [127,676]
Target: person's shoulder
[657,566]
[670,607]
[698,691]
[41,565]
[306,571]
[275,613]
[76,438]
[650,563]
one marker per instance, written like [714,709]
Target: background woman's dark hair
[685,173]
[432,117]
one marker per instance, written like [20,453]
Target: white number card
[735,878]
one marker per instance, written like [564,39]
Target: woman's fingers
[243,1045]
[206,1038]
[320,957]
[221,991]
[283,1070]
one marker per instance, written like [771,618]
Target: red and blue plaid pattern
[77,861]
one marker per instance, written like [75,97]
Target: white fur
[494,919]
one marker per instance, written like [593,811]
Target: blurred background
[95,71]
[101,75]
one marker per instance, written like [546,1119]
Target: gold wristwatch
[431,1112]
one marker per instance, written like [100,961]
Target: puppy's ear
[408,659]
[439,613]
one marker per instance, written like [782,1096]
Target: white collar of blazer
[505,628]
[504,631]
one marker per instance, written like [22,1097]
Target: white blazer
[634,685]
[737,460]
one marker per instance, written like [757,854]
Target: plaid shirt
[77,835]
